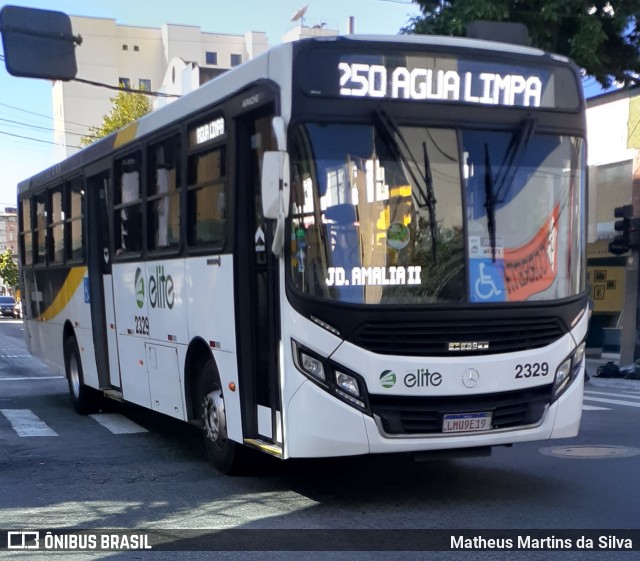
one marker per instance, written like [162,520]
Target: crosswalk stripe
[614,401]
[22,378]
[594,408]
[117,424]
[609,394]
[26,423]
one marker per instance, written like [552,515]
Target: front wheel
[224,454]
[85,400]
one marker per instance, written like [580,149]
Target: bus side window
[206,201]
[163,195]
[127,216]
[56,227]
[74,239]
[40,232]
[26,236]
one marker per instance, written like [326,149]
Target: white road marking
[117,423]
[30,378]
[594,408]
[615,401]
[610,394]
[26,423]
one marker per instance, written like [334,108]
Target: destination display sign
[419,77]
[207,132]
[400,82]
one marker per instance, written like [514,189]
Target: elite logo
[139,287]
[161,288]
[388,379]
[421,378]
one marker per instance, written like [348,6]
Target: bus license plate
[466,422]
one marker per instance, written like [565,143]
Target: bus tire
[84,399]
[224,454]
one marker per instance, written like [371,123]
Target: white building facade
[138,57]
[613,125]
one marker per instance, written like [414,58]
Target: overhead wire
[37,127]
[36,139]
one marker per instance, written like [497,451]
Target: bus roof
[241,77]
[446,41]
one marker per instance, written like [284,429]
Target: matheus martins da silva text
[594,542]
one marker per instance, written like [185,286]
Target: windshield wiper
[512,159]
[493,190]
[385,124]
[431,200]
[490,202]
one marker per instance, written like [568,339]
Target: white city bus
[346,246]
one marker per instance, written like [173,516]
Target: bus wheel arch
[198,354]
[224,454]
[84,399]
[208,409]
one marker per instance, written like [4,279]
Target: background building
[8,238]
[613,124]
[174,59]
[9,230]
[139,57]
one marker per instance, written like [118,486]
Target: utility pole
[635,189]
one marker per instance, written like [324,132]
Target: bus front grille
[457,338]
[423,415]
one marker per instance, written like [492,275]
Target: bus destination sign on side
[470,86]
[207,132]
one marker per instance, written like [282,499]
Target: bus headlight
[568,370]
[347,383]
[331,377]
[312,366]
[563,377]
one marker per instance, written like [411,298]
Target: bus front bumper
[321,426]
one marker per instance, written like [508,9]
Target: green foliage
[127,107]
[9,269]
[602,37]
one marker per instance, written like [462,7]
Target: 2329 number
[533,370]
[142,325]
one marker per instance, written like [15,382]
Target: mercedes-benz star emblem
[470,378]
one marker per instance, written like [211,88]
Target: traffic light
[630,228]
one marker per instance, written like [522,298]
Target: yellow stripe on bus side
[66,292]
[127,134]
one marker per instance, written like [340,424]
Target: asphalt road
[87,472]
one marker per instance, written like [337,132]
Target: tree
[127,107]
[9,269]
[602,37]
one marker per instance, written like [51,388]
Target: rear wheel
[224,454]
[85,400]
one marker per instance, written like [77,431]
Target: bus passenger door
[257,309]
[103,318]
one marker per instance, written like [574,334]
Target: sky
[25,103]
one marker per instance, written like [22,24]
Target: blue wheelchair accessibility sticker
[85,281]
[487,280]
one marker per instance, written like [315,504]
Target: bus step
[113,394]
[267,447]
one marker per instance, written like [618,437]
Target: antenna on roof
[299,15]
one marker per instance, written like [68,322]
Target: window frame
[214,56]
[117,206]
[71,219]
[150,198]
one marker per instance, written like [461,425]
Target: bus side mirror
[275,193]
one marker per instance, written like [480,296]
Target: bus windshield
[423,215]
